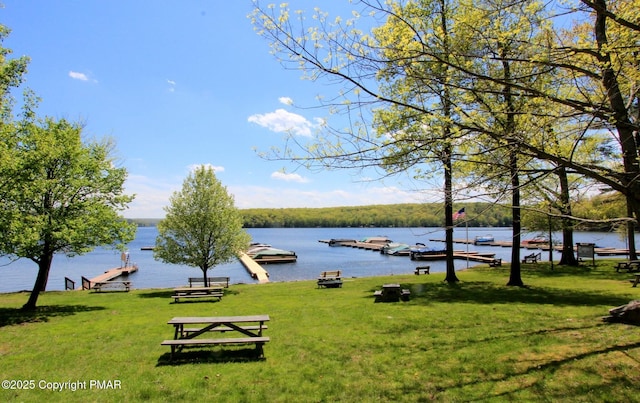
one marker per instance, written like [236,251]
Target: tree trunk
[621,119]
[515,277]
[448,212]
[568,257]
[204,276]
[44,265]
[631,230]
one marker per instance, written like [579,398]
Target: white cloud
[78,76]
[289,177]
[285,100]
[282,121]
[216,169]
[172,85]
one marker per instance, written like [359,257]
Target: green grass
[478,340]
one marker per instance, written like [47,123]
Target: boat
[536,240]
[423,252]
[396,249]
[264,253]
[382,240]
[483,240]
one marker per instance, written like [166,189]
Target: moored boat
[423,252]
[264,253]
[396,249]
[483,240]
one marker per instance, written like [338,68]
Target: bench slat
[235,340]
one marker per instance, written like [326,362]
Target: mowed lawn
[478,340]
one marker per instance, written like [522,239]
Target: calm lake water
[313,257]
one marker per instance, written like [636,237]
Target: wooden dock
[542,246]
[114,273]
[256,271]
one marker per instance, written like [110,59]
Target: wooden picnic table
[637,280]
[630,265]
[187,336]
[197,292]
[391,293]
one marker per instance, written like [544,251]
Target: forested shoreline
[415,215]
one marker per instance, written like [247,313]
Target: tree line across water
[598,209]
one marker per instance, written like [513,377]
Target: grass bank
[475,341]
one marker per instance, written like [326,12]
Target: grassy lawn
[475,341]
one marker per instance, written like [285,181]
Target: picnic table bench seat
[177,344]
[197,292]
[495,263]
[330,279]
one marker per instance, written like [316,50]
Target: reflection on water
[313,257]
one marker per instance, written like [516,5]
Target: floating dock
[114,273]
[542,246]
[256,271]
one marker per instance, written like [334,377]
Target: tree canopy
[59,195]
[202,227]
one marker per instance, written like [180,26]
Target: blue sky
[178,84]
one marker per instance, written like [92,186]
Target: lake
[313,257]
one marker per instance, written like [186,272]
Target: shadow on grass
[200,356]
[16,316]
[545,370]
[491,293]
[603,270]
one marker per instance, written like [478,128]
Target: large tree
[202,227]
[59,194]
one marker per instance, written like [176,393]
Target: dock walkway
[256,271]
[114,273]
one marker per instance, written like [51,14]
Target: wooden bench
[424,269]
[212,282]
[629,266]
[330,279]
[495,263]
[532,258]
[197,292]
[635,281]
[112,285]
[179,343]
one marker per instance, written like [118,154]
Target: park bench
[211,282]
[423,269]
[495,263]
[532,258]
[112,285]
[330,279]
